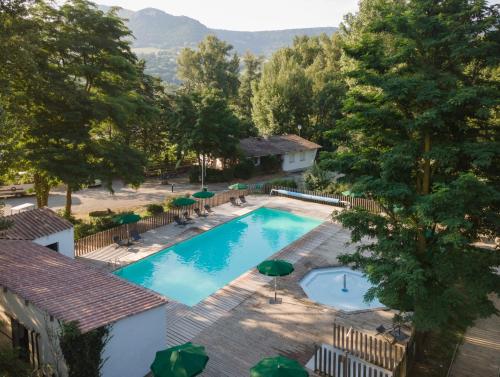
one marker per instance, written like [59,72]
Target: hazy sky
[250,14]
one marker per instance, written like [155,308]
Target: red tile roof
[275,145]
[34,224]
[69,289]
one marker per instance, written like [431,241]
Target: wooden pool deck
[237,325]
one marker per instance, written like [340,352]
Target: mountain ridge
[159,36]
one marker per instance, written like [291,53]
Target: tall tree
[86,81]
[212,65]
[420,137]
[301,85]
[252,66]
[205,124]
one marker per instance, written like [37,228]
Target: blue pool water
[194,269]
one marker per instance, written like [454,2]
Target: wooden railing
[105,238]
[336,363]
[368,204]
[354,353]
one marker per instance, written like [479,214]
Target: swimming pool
[193,269]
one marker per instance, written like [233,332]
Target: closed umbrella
[125,219]
[275,268]
[182,202]
[186,360]
[278,366]
[238,186]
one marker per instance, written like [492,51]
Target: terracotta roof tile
[274,145]
[34,224]
[69,289]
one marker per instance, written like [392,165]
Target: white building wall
[66,240]
[299,163]
[13,306]
[134,342]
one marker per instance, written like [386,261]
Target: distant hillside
[159,37]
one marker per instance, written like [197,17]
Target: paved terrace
[237,324]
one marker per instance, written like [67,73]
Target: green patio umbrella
[182,202]
[275,268]
[278,366]
[352,194]
[186,360]
[238,186]
[203,194]
[125,219]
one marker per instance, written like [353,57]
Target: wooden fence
[362,355]
[368,204]
[105,238]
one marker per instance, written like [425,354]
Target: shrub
[244,169]
[270,164]
[154,209]
[316,179]
[212,175]
[11,365]
[83,352]
[107,212]
[284,182]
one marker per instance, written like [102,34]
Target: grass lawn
[438,353]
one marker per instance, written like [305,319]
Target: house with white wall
[43,227]
[41,289]
[295,152]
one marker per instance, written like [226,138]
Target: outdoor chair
[134,234]
[118,242]
[199,213]
[208,208]
[179,221]
[233,201]
[187,217]
[242,199]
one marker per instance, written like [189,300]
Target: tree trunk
[42,188]
[426,179]
[420,341]
[69,202]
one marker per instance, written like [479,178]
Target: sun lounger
[207,208]
[199,213]
[118,242]
[242,199]
[179,221]
[233,201]
[187,217]
[134,234]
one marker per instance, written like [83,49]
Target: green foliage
[419,137]
[244,169]
[11,365]
[4,222]
[83,352]
[212,65]
[154,209]
[301,85]
[283,182]
[270,164]
[203,123]
[212,175]
[316,179]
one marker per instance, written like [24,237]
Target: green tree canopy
[212,65]
[300,85]
[420,137]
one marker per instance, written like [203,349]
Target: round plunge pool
[339,287]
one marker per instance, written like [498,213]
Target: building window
[302,155]
[53,246]
[20,340]
[291,158]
